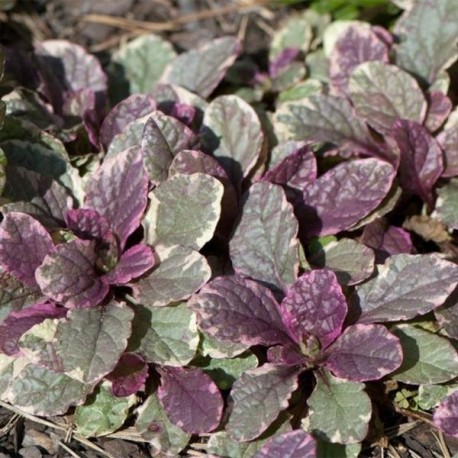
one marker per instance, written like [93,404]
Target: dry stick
[68,449]
[144,26]
[52,425]
[442,444]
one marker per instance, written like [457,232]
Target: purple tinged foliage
[126,111]
[282,60]
[356,45]
[344,195]
[17,323]
[261,394]
[68,275]
[446,415]
[294,444]
[24,243]
[118,192]
[405,287]
[129,375]
[314,305]
[439,109]
[133,262]
[421,159]
[202,69]
[390,240]
[87,224]
[236,309]
[190,398]
[364,352]
[298,170]
[448,140]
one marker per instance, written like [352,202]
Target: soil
[186,23]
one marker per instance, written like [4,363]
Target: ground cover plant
[208,252]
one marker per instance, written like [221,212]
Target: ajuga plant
[258,266]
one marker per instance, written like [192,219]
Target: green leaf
[296,32]
[264,245]
[165,335]
[339,410]
[40,391]
[259,396]
[447,204]
[85,346]
[130,136]
[351,261]
[429,32]
[214,348]
[301,90]
[200,70]
[144,60]
[430,396]
[232,132]
[330,450]
[320,117]
[428,358]
[103,413]
[180,273]
[164,438]
[383,93]
[191,222]
[224,372]
[35,157]
[14,295]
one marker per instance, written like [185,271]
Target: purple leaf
[183,112]
[293,444]
[259,396]
[17,323]
[24,243]
[446,415]
[126,111]
[235,309]
[388,239]
[87,224]
[364,352]
[129,375]
[315,305]
[286,355]
[353,47]
[69,275]
[344,195]
[406,286]
[297,170]
[200,70]
[421,159]
[282,60]
[133,263]
[190,398]
[118,192]
[439,108]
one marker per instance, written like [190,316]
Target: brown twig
[145,26]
